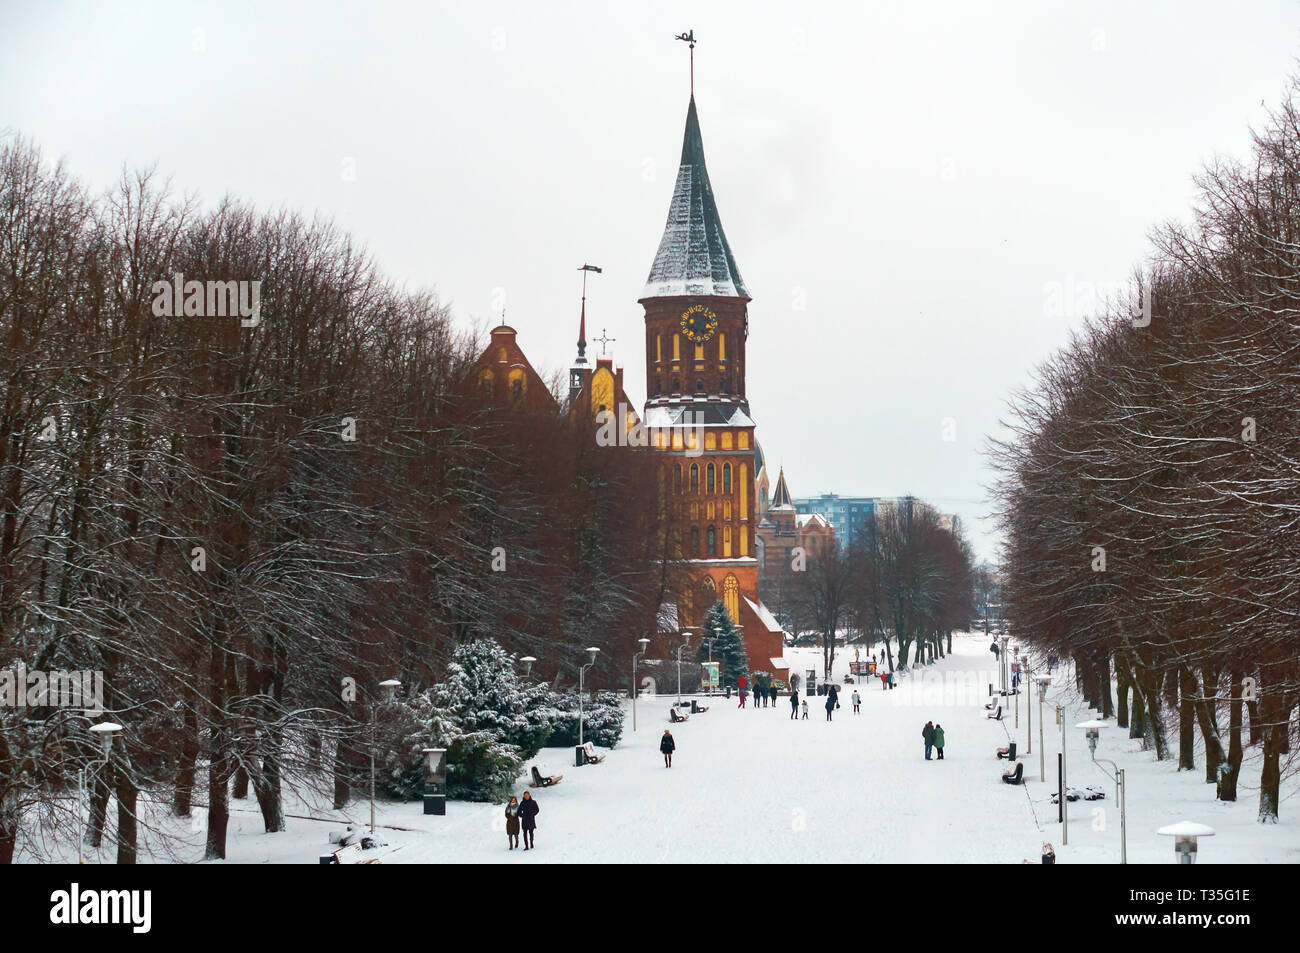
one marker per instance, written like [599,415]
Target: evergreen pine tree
[728,646]
[483,692]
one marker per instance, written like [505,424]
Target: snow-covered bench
[589,752]
[675,716]
[1009,752]
[995,715]
[544,781]
[1014,777]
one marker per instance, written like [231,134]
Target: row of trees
[1149,492]
[906,581]
[231,518]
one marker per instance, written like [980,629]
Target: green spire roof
[694,257]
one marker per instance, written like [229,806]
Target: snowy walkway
[752,785]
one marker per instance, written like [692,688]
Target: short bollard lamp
[435,781]
[1184,834]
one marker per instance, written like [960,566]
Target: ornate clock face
[699,323]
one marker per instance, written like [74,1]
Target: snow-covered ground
[753,786]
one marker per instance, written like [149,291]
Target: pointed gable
[694,257]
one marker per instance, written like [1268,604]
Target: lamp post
[712,684]
[104,731]
[686,636]
[1065,802]
[1029,711]
[593,652]
[1184,834]
[528,661]
[390,687]
[1094,732]
[1042,681]
[636,690]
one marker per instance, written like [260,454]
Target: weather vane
[604,340]
[689,37]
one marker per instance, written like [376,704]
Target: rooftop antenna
[689,37]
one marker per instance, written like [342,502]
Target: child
[803,707]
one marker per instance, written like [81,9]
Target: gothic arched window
[695,478]
[726,478]
[713,542]
[709,478]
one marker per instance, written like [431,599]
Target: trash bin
[435,804]
[728,691]
[579,756]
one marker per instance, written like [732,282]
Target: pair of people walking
[522,815]
[932,735]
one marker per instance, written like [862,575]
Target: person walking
[927,735]
[830,702]
[740,684]
[756,694]
[803,707]
[512,821]
[891,680]
[794,704]
[857,702]
[884,680]
[773,694]
[938,740]
[528,811]
[667,745]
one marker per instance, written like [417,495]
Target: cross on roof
[604,340]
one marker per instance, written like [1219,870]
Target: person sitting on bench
[544,781]
[589,751]
[1009,752]
[1014,777]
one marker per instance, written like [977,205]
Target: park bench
[544,781]
[697,708]
[589,751]
[995,715]
[1009,752]
[1014,777]
[676,717]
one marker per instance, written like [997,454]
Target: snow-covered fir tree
[728,646]
[483,692]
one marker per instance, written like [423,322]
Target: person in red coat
[741,684]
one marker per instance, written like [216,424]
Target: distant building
[847,515]
[782,528]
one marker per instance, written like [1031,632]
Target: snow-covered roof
[700,413]
[694,257]
[764,616]
[803,519]
[779,663]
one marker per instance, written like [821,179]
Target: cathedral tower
[696,322]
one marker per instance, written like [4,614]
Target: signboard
[862,668]
[710,674]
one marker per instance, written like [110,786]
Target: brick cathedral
[696,325]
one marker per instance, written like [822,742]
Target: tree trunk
[9,820]
[1256,728]
[1273,726]
[183,791]
[126,819]
[1121,678]
[1227,790]
[342,777]
[99,794]
[1155,726]
[1103,685]
[1186,720]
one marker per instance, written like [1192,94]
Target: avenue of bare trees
[230,519]
[1150,489]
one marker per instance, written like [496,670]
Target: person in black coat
[794,704]
[832,701]
[755,694]
[528,810]
[667,746]
[927,735]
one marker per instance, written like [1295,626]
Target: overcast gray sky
[921,196]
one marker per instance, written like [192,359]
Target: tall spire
[582,316]
[781,495]
[694,257]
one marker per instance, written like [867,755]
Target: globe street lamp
[593,652]
[685,644]
[1094,732]
[105,731]
[528,661]
[645,645]
[390,687]
[1184,834]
